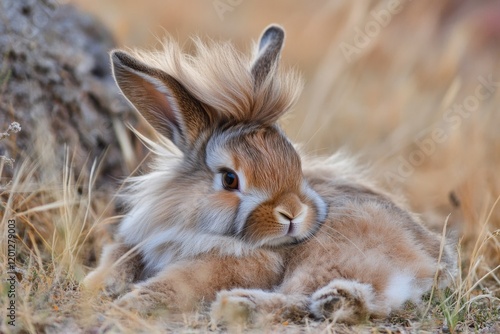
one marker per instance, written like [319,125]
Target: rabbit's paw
[233,307]
[140,300]
[343,301]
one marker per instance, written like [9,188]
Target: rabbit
[233,216]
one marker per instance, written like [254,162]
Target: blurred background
[411,87]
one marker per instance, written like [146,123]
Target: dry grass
[405,81]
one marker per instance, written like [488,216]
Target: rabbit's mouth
[279,233]
[292,228]
[290,237]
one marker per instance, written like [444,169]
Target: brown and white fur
[237,217]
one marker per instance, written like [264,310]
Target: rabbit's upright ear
[161,99]
[268,53]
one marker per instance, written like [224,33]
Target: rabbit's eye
[229,180]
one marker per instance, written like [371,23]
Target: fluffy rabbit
[237,217]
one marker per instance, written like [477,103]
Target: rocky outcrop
[55,80]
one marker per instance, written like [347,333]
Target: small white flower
[14,127]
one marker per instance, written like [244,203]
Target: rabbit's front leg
[182,286]
[118,267]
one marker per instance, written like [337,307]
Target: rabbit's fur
[296,235]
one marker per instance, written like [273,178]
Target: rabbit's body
[239,217]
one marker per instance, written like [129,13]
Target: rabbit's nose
[290,215]
[285,214]
[288,208]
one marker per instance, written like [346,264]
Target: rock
[55,80]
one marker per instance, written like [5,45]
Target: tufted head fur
[238,184]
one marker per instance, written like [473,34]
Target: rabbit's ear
[161,99]
[268,53]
